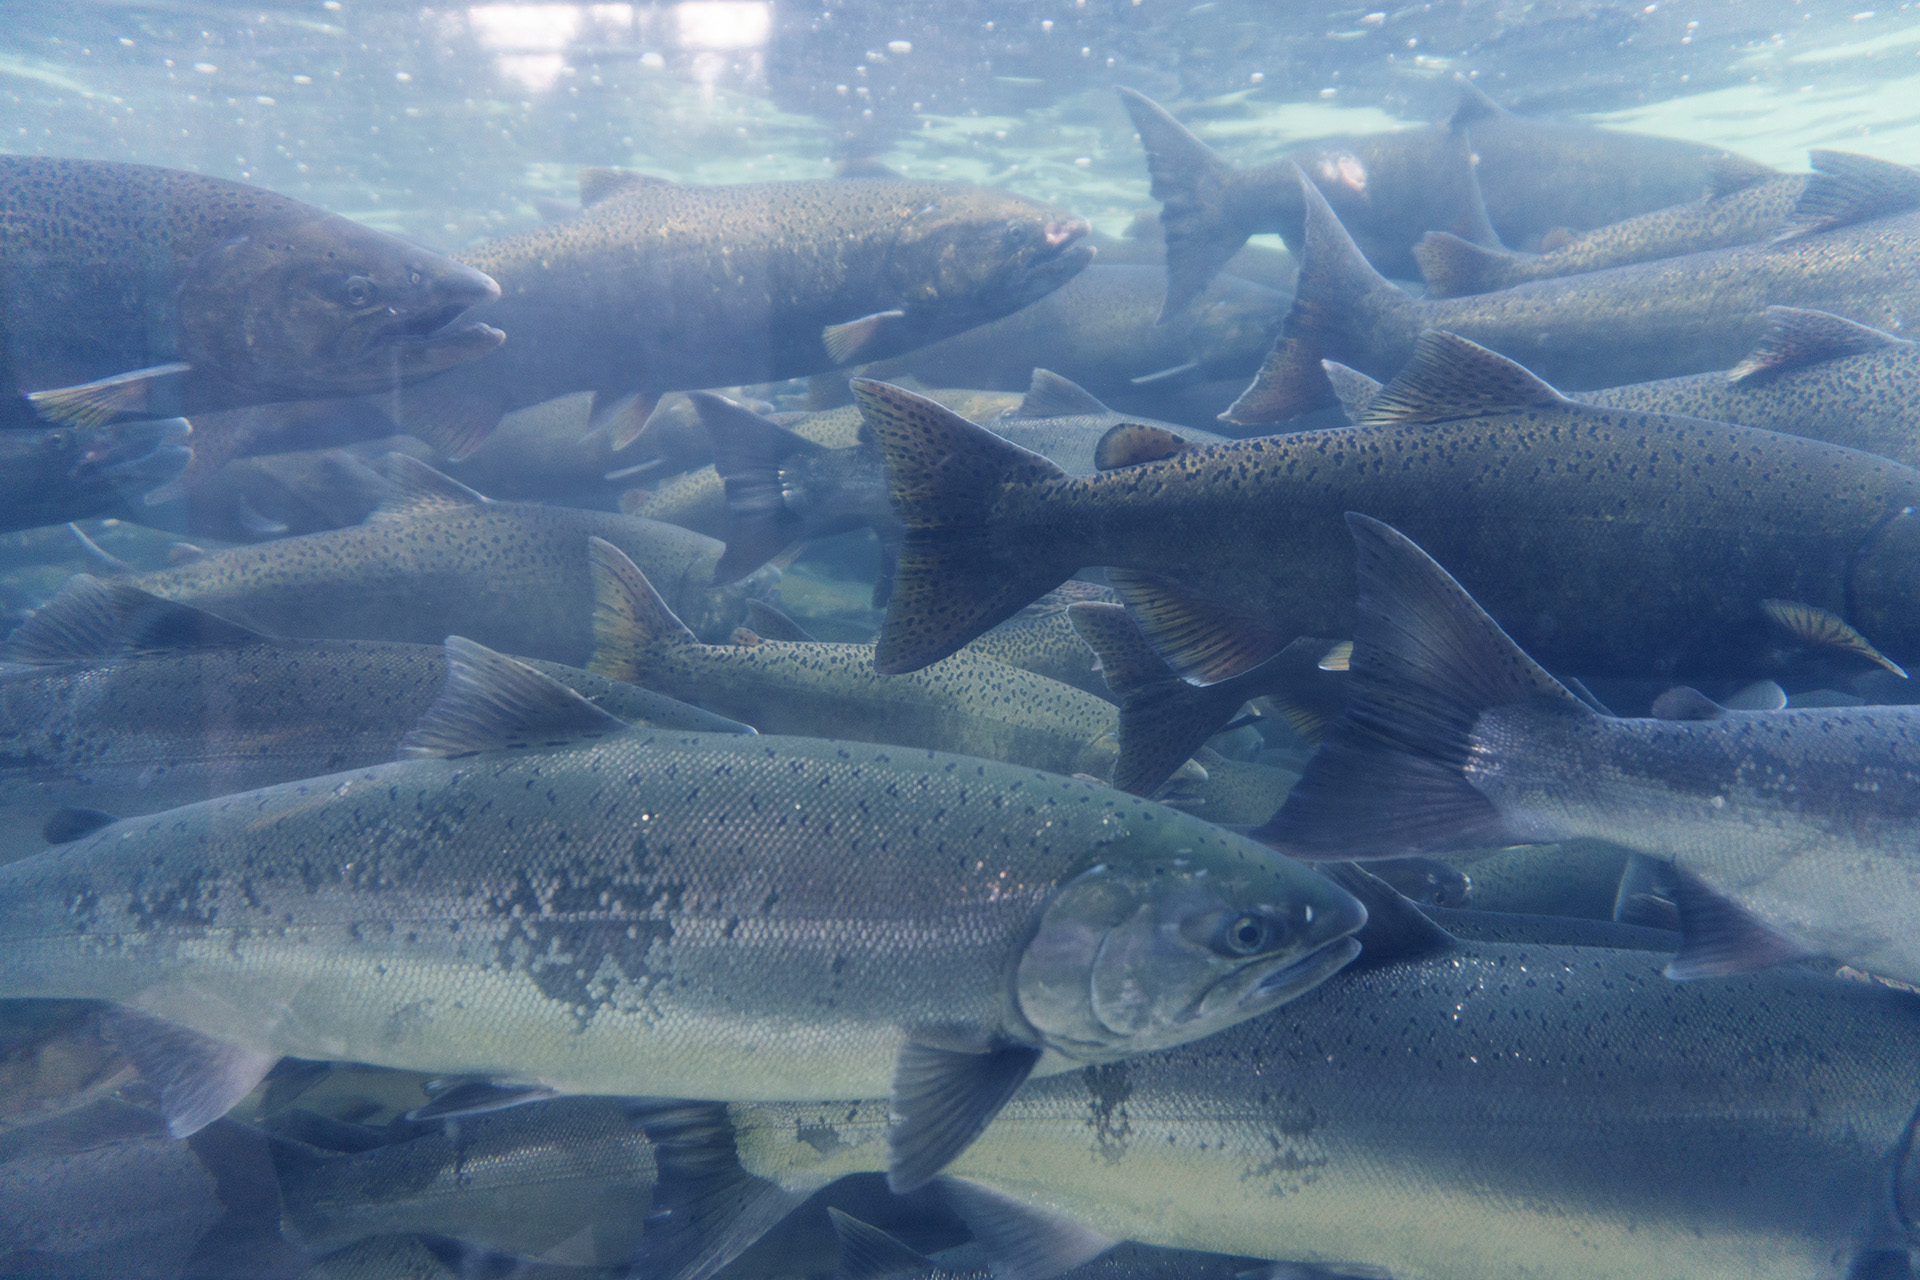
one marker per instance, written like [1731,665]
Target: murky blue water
[448,1105]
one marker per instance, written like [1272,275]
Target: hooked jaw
[439,324]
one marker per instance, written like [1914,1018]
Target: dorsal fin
[596,184]
[418,489]
[493,703]
[629,617]
[95,619]
[1474,106]
[1450,377]
[1131,443]
[865,167]
[1797,337]
[1728,173]
[1847,188]
[1683,702]
[1051,396]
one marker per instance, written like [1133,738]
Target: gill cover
[1157,943]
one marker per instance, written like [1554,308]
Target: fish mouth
[430,326]
[1286,981]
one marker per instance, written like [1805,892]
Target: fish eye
[360,291]
[1248,935]
[414,277]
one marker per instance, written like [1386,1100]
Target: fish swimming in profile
[544,897]
[1745,201]
[156,292]
[1787,832]
[662,286]
[439,559]
[1098,330]
[1853,251]
[52,475]
[966,704]
[1486,175]
[1413,1117]
[1651,542]
[116,703]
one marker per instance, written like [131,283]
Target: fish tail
[1338,301]
[748,452]
[1454,267]
[1390,778]
[1191,182]
[969,558]
[1163,719]
[708,1209]
[631,623]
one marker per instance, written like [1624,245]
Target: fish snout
[465,286]
[1064,231]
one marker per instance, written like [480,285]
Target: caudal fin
[748,452]
[1390,779]
[1338,299]
[1190,181]
[966,563]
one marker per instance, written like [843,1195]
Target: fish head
[324,307]
[1172,932]
[973,254]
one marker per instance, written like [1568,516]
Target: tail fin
[1356,390]
[965,564]
[1453,267]
[1163,719]
[708,1209]
[1190,181]
[1334,305]
[630,620]
[1389,781]
[747,452]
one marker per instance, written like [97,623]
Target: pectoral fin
[90,404]
[1022,1242]
[197,1077]
[942,1099]
[846,342]
[1718,937]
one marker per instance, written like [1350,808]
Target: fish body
[545,896]
[966,703]
[659,286]
[52,475]
[1792,831]
[440,560]
[217,294]
[1415,1118]
[1718,220]
[123,725]
[1659,319]
[1814,374]
[568,1180]
[1099,330]
[1468,451]
[1487,175]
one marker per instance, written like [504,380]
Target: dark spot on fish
[1109,1085]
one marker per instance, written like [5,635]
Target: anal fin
[941,1101]
[469,1096]
[198,1078]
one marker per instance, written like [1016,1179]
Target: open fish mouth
[434,326]
[1302,975]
